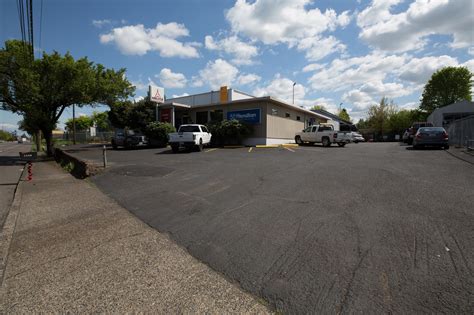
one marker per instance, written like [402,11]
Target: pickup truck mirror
[303,130]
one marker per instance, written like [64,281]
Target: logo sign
[249,116]
[223,94]
[157,94]
[165,115]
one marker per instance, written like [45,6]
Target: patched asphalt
[370,228]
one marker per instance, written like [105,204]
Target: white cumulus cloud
[242,52]
[171,79]
[138,40]
[245,79]
[282,88]
[216,74]
[410,29]
[288,22]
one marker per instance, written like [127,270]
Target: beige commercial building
[273,121]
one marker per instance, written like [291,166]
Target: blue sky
[349,52]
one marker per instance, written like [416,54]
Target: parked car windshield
[189,129]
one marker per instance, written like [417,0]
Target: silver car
[431,136]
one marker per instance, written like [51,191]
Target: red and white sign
[157,94]
[165,115]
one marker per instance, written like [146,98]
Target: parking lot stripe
[289,149]
[250,149]
[210,150]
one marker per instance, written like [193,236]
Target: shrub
[228,132]
[157,133]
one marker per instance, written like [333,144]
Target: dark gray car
[431,136]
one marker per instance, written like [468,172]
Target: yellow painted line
[210,150]
[289,149]
[266,146]
[289,145]
[250,149]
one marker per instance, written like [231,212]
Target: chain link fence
[461,132]
[86,137]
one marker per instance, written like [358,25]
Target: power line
[41,23]
[31,30]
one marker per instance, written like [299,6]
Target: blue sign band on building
[248,116]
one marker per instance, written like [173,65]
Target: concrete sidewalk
[73,249]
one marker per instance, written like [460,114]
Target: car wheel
[326,142]
[410,141]
[200,146]
[446,147]
[175,148]
[341,144]
[114,145]
[298,140]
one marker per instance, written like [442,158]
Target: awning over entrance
[168,112]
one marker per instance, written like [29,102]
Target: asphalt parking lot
[369,228]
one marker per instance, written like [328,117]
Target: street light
[294,83]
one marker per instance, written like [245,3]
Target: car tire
[341,144]
[410,141]
[298,140]
[446,147]
[114,145]
[326,142]
[175,148]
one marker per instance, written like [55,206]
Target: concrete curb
[6,234]
[78,167]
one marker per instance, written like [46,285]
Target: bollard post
[30,172]
[104,155]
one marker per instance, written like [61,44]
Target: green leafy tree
[158,132]
[132,115]
[379,115]
[7,136]
[101,121]
[42,89]
[318,107]
[82,123]
[446,86]
[344,115]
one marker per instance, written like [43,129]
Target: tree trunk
[38,140]
[48,137]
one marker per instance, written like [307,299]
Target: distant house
[336,121]
[444,116]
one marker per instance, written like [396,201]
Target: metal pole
[73,124]
[104,155]
[294,83]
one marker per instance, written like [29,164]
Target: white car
[190,137]
[357,137]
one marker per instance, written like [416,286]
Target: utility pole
[294,83]
[73,123]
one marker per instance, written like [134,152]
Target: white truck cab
[322,133]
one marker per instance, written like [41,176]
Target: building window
[298,118]
[217,115]
[201,118]
[287,115]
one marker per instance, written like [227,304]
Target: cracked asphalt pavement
[371,228]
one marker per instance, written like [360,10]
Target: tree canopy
[446,86]
[82,123]
[132,115]
[343,114]
[42,89]
[318,107]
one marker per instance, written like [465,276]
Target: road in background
[10,171]
[369,228]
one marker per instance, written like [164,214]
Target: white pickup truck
[323,133]
[189,137]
